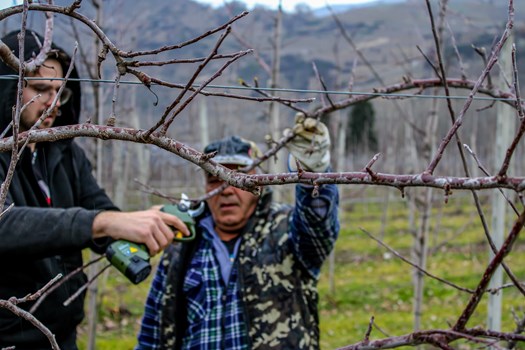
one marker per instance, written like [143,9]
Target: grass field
[369,280]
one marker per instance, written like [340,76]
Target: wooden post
[275,125]
[203,121]
[92,292]
[505,118]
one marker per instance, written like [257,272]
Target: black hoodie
[39,241]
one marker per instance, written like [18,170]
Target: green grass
[369,281]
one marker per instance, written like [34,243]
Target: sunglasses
[47,92]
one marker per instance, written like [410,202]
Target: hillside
[391,35]
[384,32]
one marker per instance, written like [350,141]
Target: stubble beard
[26,124]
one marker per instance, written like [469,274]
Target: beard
[27,120]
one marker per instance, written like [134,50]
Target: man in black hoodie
[59,209]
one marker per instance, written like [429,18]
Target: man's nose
[228,191]
[51,95]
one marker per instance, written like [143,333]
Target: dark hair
[8,87]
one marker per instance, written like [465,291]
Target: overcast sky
[6,3]
[289,5]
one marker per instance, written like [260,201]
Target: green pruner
[187,215]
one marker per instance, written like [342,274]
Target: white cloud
[8,3]
[289,5]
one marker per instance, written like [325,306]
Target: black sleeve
[92,195]
[41,231]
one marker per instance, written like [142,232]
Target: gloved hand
[310,146]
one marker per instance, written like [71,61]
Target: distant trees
[361,133]
[303,8]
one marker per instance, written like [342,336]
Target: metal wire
[299,91]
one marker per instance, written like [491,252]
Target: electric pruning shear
[132,259]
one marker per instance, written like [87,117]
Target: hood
[70,111]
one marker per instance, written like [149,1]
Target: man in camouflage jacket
[248,281]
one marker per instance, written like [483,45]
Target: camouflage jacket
[277,278]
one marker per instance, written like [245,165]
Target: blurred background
[357,48]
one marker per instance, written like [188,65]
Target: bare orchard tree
[132,63]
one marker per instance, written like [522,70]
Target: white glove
[310,146]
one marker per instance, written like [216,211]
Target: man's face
[47,89]
[232,208]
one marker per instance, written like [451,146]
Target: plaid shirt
[215,314]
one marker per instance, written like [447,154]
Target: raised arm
[314,222]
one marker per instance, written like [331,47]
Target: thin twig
[83,288]
[393,251]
